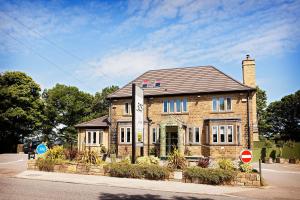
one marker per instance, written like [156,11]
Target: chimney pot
[247,56]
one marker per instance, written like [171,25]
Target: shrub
[145,160]
[153,172]
[57,152]
[176,160]
[203,162]
[152,151]
[45,164]
[103,149]
[245,167]
[226,164]
[187,151]
[89,157]
[268,144]
[70,154]
[126,160]
[210,176]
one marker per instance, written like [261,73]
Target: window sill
[123,143]
[194,144]
[93,145]
[221,112]
[127,115]
[174,113]
[224,144]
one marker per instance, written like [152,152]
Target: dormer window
[145,84]
[157,83]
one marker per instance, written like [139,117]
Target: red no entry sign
[246,156]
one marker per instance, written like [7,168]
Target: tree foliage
[21,109]
[283,117]
[261,106]
[65,106]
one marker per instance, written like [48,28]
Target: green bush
[245,167]
[145,160]
[176,160]
[153,172]
[226,164]
[45,164]
[89,157]
[57,152]
[210,176]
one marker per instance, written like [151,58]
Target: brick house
[93,134]
[199,110]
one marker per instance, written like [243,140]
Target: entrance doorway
[171,138]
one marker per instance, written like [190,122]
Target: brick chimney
[249,79]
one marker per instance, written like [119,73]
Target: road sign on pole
[246,156]
[41,148]
[137,107]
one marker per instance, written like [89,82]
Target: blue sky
[94,44]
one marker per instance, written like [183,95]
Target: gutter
[248,120]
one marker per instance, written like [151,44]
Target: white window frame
[224,99]
[163,107]
[212,133]
[232,138]
[169,102]
[238,132]
[129,108]
[194,135]
[225,127]
[125,134]
[182,102]
[217,104]
[92,131]
[175,104]
[226,103]
[154,138]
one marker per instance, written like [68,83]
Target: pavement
[169,186]
[18,183]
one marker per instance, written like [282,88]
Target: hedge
[209,175]
[125,170]
[287,151]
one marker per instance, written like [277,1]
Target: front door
[171,141]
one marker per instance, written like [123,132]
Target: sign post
[137,107]
[246,156]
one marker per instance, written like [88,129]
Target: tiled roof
[98,122]
[189,80]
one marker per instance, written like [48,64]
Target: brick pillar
[180,139]
[162,140]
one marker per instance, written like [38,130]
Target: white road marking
[277,171]
[11,162]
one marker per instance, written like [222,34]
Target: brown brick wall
[199,108]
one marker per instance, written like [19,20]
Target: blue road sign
[41,148]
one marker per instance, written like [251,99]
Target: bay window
[230,134]
[215,134]
[222,134]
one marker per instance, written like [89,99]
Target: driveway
[283,182]
[12,164]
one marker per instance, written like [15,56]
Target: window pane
[190,135]
[229,133]
[171,105]
[215,133]
[122,135]
[126,108]
[94,137]
[228,103]
[89,137]
[222,104]
[222,133]
[197,135]
[238,129]
[165,106]
[128,135]
[178,105]
[154,135]
[184,105]
[100,137]
[215,104]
